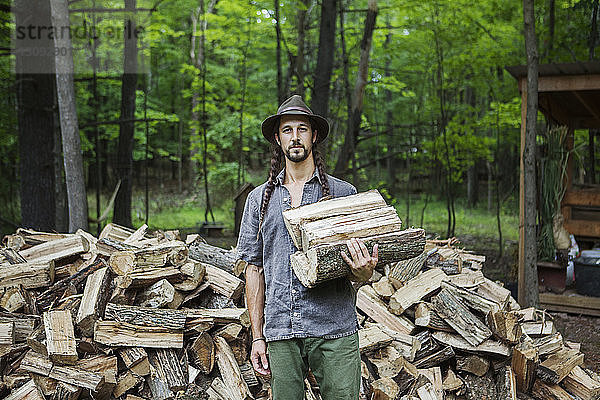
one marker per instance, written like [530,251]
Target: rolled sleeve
[250,243]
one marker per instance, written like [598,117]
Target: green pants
[334,362]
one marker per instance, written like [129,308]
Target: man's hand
[258,356]
[361,264]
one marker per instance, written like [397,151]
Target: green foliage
[437,99]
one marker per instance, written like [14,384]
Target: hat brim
[317,122]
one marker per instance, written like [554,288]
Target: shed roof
[568,93]
[577,68]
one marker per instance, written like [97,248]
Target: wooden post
[521,274]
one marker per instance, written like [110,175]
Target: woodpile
[435,327]
[133,315]
[127,315]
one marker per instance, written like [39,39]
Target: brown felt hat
[294,106]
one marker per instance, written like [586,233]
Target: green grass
[476,222]
[172,210]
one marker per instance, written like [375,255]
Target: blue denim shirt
[291,309]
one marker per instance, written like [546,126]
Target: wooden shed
[569,94]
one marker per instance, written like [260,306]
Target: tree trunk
[280,91]
[35,105]
[528,287]
[320,96]
[72,157]
[449,188]
[389,117]
[349,147]
[122,212]
[591,173]
[203,121]
[472,186]
[594,29]
[551,25]
[345,73]
[197,57]
[300,57]
[593,132]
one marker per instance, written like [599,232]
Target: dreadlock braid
[276,157]
[322,175]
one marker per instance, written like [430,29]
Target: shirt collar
[281,176]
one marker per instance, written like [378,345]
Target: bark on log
[7,333]
[460,318]
[436,358]
[506,384]
[474,364]
[24,324]
[168,369]
[218,315]
[146,316]
[222,258]
[546,345]
[26,392]
[325,262]
[480,388]
[426,317]
[472,299]
[405,270]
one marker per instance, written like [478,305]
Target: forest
[149,110]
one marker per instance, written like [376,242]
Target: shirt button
[293,290]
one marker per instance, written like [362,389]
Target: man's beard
[297,157]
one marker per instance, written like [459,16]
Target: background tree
[528,283]
[67,112]
[35,104]
[122,214]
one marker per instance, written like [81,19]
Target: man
[302,328]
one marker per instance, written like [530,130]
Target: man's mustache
[296,144]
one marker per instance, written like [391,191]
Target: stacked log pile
[126,315]
[434,327]
[131,315]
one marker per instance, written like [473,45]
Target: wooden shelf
[571,303]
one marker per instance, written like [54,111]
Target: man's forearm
[255,298]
